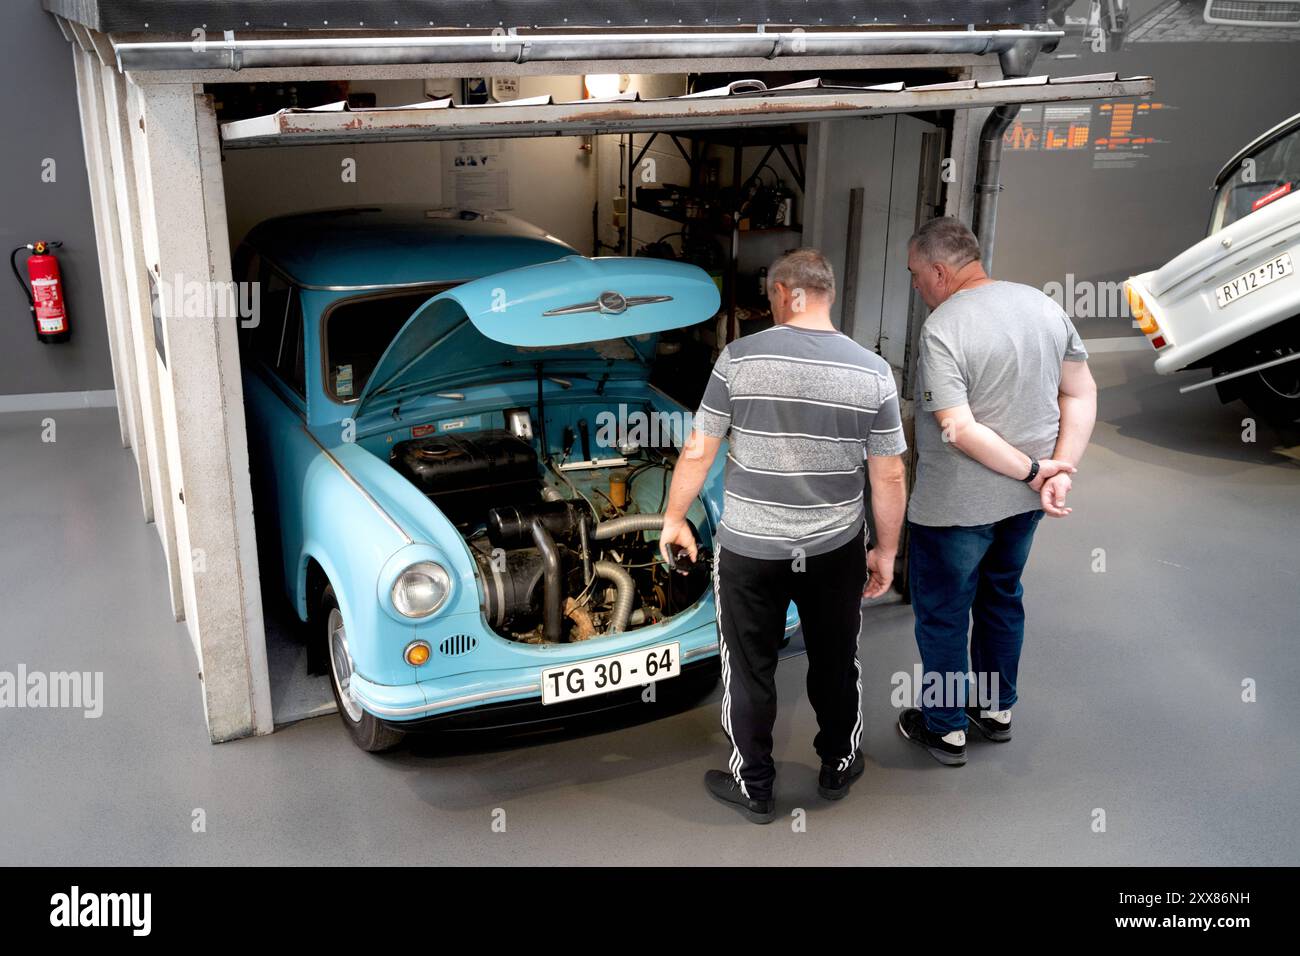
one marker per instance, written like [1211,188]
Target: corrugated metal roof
[750,102]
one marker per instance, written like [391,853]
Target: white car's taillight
[1143,315]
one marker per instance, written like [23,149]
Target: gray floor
[1131,698]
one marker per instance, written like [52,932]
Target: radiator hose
[625,591]
[626,525]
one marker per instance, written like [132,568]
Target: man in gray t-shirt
[811,417]
[1005,407]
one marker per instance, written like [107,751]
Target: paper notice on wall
[475,174]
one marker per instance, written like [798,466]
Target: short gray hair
[947,240]
[805,269]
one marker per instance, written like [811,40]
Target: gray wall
[41,121]
[1059,215]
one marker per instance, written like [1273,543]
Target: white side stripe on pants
[736,761]
[855,737]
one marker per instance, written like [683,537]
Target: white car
[1231,303]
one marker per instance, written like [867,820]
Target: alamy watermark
[73,690]
[128,910]
[1088,299]
[627,428]
[951,689]
[195,299]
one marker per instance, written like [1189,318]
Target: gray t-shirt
[997,348]
[804,408]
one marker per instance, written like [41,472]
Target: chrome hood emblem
[609,303]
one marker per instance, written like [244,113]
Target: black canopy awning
[182,16]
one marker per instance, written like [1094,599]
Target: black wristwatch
[1033,472]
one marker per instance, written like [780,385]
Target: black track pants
[752,596]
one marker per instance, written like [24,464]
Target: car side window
[289,362]
[1267,175]
[269,332]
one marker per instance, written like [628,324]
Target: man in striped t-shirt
[811,415]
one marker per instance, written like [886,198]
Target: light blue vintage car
[459,464]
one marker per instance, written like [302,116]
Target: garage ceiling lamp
[421,589]
[605,86]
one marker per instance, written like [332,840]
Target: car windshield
[358,331]
[1263,177]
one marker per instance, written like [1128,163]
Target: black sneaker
[911,724]
[995,730]
[835,784]
[723,787]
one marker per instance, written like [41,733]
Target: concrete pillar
[185,242]
[105,206]
[82,63]
[139,317]
[964,148]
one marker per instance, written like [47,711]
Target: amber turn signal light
[417,653]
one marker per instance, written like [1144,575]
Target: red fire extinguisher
[45,296]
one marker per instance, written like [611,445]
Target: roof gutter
[233,54]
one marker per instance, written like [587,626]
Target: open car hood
[572,314]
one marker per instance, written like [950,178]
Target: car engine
[553,567]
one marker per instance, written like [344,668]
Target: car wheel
[368,732]
[1274,393]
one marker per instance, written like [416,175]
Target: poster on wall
[475,174]
[1117,133]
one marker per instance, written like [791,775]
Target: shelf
[704,225]
[773,140]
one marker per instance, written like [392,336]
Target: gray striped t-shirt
[804,408]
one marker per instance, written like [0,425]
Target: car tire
[367,731]
[1274,394]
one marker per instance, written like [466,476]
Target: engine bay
[566,546]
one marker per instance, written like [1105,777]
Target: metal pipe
[988,176]
[625,591]
[233,54]
[585,546]
[627,525]
[1240,372]
[1016,61]
[552,584]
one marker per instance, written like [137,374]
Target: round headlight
[421,589]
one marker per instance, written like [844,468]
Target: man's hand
[880,572]
[676,531]
[1053,495]
[688,478]
[1050,468]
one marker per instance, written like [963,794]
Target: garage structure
[876,128]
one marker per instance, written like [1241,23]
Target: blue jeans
[958,574]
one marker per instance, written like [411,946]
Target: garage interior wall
[882,156]
[552,181]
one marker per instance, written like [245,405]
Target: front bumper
[444,695]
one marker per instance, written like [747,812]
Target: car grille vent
[1255,10]
[458,644]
